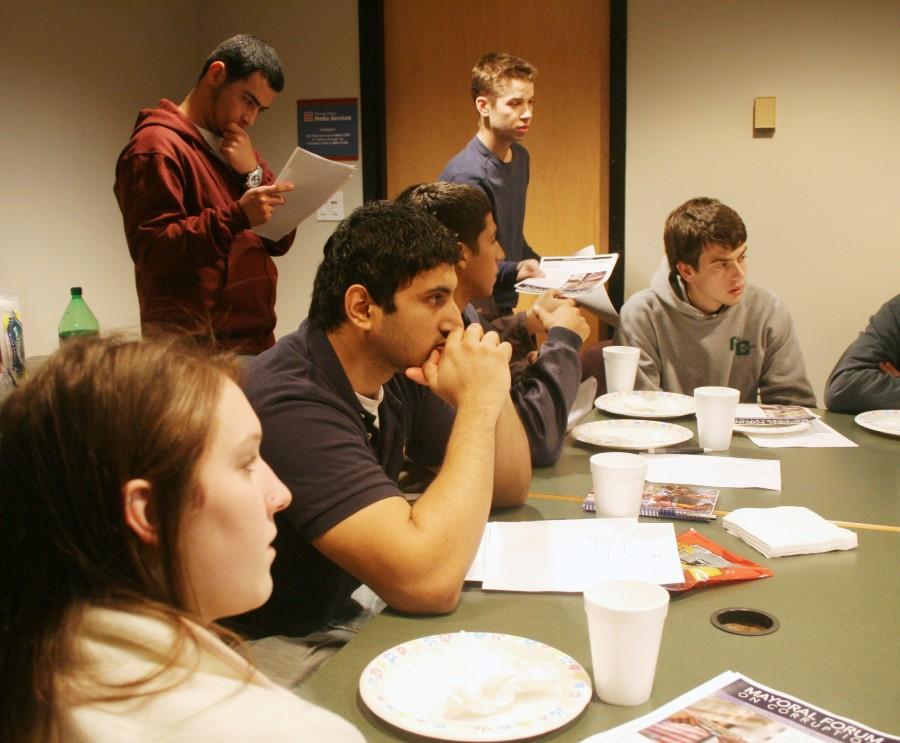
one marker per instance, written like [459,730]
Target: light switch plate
[333,209]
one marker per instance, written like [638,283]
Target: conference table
[838,642]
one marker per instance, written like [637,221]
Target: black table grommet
[743,621]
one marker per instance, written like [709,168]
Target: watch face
[254,178]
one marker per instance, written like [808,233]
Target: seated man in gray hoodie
[700,323]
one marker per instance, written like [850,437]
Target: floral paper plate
[631,434]
[415,687]
[882,421]
[646,404]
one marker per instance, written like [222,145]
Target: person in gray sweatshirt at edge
[700,322]
[867,376]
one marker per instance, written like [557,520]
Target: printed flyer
[735,709]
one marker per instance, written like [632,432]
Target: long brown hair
[98,414]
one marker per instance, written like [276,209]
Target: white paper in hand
[315,179]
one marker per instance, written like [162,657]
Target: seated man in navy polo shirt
[381,368]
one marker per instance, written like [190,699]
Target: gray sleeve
[545,391]
[636,330]
[856,384]
[783,379]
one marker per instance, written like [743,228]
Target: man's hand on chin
[237,149]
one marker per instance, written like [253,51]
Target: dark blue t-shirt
[506,186]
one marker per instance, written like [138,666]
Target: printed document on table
[570,554]
[315,179]
[733,707]
[715,472]
[476,569]
[819,434]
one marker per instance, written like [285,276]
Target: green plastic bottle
[78,320]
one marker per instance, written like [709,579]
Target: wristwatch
[253,178]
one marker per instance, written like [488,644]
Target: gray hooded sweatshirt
[750,346]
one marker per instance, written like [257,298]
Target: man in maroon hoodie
[190,186]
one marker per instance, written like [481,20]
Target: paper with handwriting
[568,555]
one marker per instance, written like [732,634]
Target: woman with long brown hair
[135,511]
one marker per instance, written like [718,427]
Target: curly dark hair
[383,246]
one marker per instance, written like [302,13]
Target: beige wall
[820,199]
[74,76]
[71,86]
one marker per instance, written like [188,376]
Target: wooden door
[430,48]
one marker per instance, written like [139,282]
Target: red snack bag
[704,562]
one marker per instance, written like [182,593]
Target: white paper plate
[882,421]
[408,686]
[646,404]
[631,434]
[771,430]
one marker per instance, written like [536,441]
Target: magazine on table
[732,708]
[673,501]
[750,414]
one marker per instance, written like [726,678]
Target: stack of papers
[714,472]
[813,434]
[315,179]
[787,530]
[568,555]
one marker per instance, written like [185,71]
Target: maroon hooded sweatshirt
[197,265]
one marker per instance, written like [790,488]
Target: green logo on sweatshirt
[740,346]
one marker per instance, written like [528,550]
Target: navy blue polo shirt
[321,443]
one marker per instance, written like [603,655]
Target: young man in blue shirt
[495,161]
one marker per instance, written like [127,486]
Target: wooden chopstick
[845,524]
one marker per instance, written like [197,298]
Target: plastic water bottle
[78,320]
[12,343]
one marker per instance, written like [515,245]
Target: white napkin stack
[787,530]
